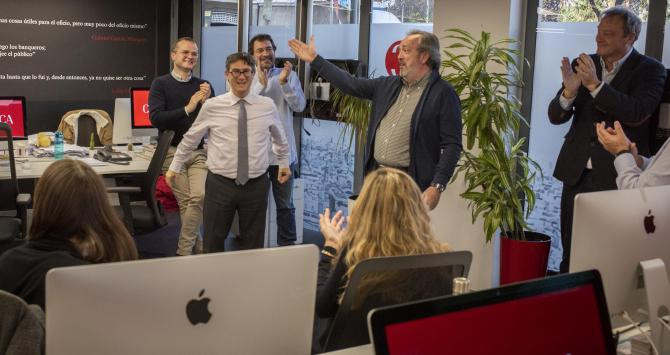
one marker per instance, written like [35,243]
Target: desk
[139,164]
[356,350]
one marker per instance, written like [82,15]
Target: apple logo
[196,309]
[649,226]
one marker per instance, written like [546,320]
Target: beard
[266,63]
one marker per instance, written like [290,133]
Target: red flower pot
[522,260]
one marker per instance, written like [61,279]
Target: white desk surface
[139,164]
[357,350]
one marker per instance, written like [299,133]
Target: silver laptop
[612,232]
[247,302]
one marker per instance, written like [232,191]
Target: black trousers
[585,184]
[222,199]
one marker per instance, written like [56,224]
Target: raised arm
[350,85]
[291,88]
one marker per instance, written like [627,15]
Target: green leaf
[500,175]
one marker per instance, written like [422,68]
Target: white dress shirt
[655,170]
[218,117]
[288,98]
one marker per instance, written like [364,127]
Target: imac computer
[565,314]
[131,118]
[613,231]
[13,112]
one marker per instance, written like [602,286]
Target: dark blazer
[630,98]
[435,135]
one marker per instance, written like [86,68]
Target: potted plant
[354,112]
[497,173]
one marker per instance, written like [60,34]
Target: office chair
[406,278]
[78,125]
[22,326]
[139,218]
[13,227]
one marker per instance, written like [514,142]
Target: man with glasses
[174,102]
[242,127]
[283,87]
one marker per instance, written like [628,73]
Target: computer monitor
[247,302]
[612,231]
[139,98]
[124,133]
[564,314]
[13,112]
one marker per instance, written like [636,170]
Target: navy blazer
[435,134]
[631,98]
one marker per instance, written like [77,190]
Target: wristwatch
[439,187]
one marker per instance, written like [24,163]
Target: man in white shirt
[634,170]
[283,87]
[241,127]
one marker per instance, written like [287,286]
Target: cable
[625,316]
[664,322]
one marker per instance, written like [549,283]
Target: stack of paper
[147,151]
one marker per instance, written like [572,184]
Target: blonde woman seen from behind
[389,218]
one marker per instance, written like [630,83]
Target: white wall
[451,219]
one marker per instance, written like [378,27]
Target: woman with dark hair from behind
[389,218]
[73,224]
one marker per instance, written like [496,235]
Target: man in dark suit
[616,83]
[415,123]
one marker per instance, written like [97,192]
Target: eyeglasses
[236,72]
[186,53]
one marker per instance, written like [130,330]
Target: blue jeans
[283,195]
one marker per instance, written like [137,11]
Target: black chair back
[154,171]
[85,127]
[13,227]
[6,135]
[386,281]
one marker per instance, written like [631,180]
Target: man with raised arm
[415,123]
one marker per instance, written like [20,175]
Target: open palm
[302,50]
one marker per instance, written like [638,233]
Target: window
[219,40]
[391,20]
[276,18]
[335,25]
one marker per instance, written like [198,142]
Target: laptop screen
[519,319]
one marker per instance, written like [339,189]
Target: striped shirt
[393,135]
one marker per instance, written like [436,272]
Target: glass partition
[219,39]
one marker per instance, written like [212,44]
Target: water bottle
[58,145]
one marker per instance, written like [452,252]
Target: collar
[179,78]
[426,79]
[616,65]
[234,99]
